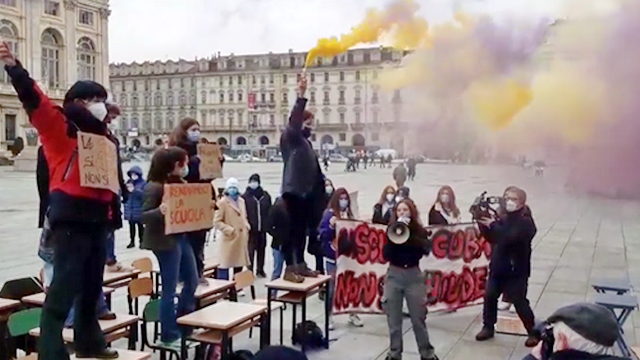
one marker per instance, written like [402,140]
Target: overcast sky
[142,30]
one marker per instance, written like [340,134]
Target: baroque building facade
[244,101]
[58,42]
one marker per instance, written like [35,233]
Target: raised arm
[297,114]
[45,116]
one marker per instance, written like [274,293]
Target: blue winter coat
[327,234]
[133,207]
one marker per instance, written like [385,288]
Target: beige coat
[231,220]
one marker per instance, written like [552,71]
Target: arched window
[241,140]
[157,101]
[203,97]
[135,122]
[264,140]
[222,141]
[51,54]
[86,59]
[9,33]
[157,120]
[182,100]
[358,140]
[170,98]
[171,121]
[124,99]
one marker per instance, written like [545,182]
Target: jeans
[331,267]
[111,248]
[78,266]
[278,264]
[132,231]
[409,284]
[223,274]
[516,291]
[257,247]
[177,264]
[102,309]
[197,239]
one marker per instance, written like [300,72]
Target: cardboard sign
[355,208]
[98,162]
[210,167]
[189,208]
[457,267]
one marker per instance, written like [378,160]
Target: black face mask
[306,132]
[81,119]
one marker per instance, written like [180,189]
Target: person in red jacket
[79,216]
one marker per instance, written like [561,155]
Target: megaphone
[398,233]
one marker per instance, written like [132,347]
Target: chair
[246,279]
[16,289]
[137,288]
[151,314]
[145,266]
[21,322]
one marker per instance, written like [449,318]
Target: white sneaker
[332,325]
[241,293]
[503,306]
[354,320]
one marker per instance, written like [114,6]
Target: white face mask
[98,110]
[344,204]
[511,206]
[134,177]
[193,135]
[444,198]
[254,185]
[399,198]
[328,190]
[184,172]
[391,197]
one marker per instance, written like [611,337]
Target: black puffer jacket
[302,175]
[279,224]
[258,204]
[510,238]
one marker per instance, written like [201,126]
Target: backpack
[309,334]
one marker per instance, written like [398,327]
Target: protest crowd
[172,209]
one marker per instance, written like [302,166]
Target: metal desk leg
[293,326]
[281,323]
[183,348]
[267,338]
[304,319]
[327,311]
[133,336]
[225,346]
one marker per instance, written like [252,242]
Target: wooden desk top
[306,286]
[38,299]
[107,326]
[123,355]
[126,355]
[8,304]
[215,286]
[111,277]
[223,315]
[210,265]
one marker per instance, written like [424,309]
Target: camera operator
[405,280]
[510,236]
[577,332]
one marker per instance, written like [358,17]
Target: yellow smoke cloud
[495,102]
[398,22]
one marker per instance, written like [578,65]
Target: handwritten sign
[210,167]
[457,267]
[98,160]
[189,208]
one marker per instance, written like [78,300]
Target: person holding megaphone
[407,242]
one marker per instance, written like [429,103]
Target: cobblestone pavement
[579,239]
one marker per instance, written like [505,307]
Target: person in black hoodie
[510,236]
[79,216]
[279,227]
[383,209]
[187,136]
[258,203]
[302,184]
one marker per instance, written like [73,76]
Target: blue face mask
[193,135]
[344,204]
[233,193]
[184,172]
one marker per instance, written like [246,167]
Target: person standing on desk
[79,215]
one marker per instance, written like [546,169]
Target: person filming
[510,236]
[405,280]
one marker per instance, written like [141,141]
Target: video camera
[483,206]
